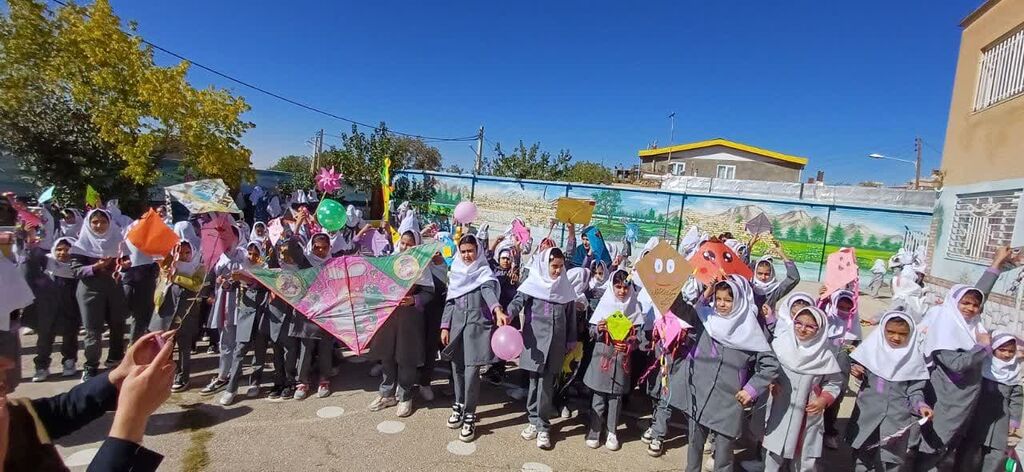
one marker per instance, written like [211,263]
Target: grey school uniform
[789,424]
[399,345]
[139,283]
[882,409]
[101,303]
[608,375]
[469,320]
[179,303]
[714,374]
[999,409]
[787,285]
[252,304]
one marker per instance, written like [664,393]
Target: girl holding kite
[177,304]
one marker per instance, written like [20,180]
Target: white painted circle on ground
[81,458]
[391,427]
[536,467]
[460,448]
[330,412]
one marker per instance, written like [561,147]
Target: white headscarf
[71,229]
[739,248]
[811,357]
[688,245]
[464,278]
[945,328]
[737,329]
[765,288]
[353,217]
[115,214]
[610,304]
[784,317]
[894,364]
[505,246]
[840,327]
[244,262]
[254,237]
[540,285]
[410,224]
[315,260]
[187,232]
[57,268]
[49,228]
[15,293]
[878,267]
[998,370]
[190,266]
[579,277]
[94,245]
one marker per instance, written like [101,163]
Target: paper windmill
[328,180]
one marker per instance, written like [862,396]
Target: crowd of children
[752,365]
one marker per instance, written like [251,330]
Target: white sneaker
[593,443]
[41,375]
[529,433]
[543,440]
[426,393]
[376,370]
[612,443]
[253,391]
[381,403]
[404,409]
[226,399]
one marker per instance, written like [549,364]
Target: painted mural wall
[807,232]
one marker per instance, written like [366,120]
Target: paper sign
[840,269]
[759,224]
[619,326]
[574,210]
[520,231]
[663,272]
[275,230]
[152,236]
[714,259]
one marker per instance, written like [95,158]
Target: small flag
[47,195]
[92,197]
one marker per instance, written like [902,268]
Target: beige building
[722,159]
[979,207]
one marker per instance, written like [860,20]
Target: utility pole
[479,150]
[318,147]
[671,140]
[917,164]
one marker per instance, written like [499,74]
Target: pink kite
[216,237]
[352,296]
[840,269]
[520,231]
[275,230]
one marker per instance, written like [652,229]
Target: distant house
[722,159]
[979,208]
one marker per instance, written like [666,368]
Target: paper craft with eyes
[840,269]
[714,259]
[663,272]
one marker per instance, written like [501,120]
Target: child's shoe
[612,443]
[301,391]
[654,448]
[404,409]
[455,420]
[529,433]
[324,390]
[69,368]
[468,433]
[543,440]
[593,443]
[381,403]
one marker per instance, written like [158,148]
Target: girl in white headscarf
[956,344]
[312,340]
[71,224]
[222,315]
[548,303]
[728,342]
[249,308]
[177,302]
[56,309]
[471,314]
[100,298]
[809,383]
[138,278]
[999,407]
[186,230]
[893,375]
[768,288]
[844,333]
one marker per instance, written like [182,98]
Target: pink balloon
[507,343]
[465,212]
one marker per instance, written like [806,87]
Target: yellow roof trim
[729,144]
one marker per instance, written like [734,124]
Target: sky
[831,81]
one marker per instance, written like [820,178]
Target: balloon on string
[331,215]
[465,212]
[507,343]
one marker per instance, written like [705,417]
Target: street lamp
[916,163]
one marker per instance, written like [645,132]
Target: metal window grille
[1001,71]
[981,223]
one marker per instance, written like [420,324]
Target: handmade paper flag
[669,328]
[574,210]
[47,195]
[204,196]
[352,296]
[619,326]
[840,269]
[663,272]
[759,224]
[92,197]
[714,259]
[448,247]
[217,237]
[385,186]
[152,236]
[520,231]
[275,230]
[29,219]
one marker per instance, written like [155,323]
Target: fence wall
[808,231]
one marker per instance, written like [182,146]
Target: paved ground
[339,433]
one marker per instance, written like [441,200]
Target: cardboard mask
[618,326]
[574,210]
[715,259]
[663,272]
[840,269]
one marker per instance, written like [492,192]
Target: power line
[275,95]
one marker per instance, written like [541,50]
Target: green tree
[872,241]
[529,163]
[588,173]
[608,203]
[817,232]
[299,168]
[79,56]
[360,158]
[414,153]
[803,235]
[454,169]
[856,239]
[776,226]
[837,236]
[790,234]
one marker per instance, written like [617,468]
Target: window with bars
[1001,71]
[725,172]
[981,223]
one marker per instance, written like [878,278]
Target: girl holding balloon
[548,302]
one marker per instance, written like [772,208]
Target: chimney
[821,176]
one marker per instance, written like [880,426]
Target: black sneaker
[455,420]
[275,394]
[492,376]
[287,393]
[111,363]
[215,385]
[180,385]
[654,448]
[468,431]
